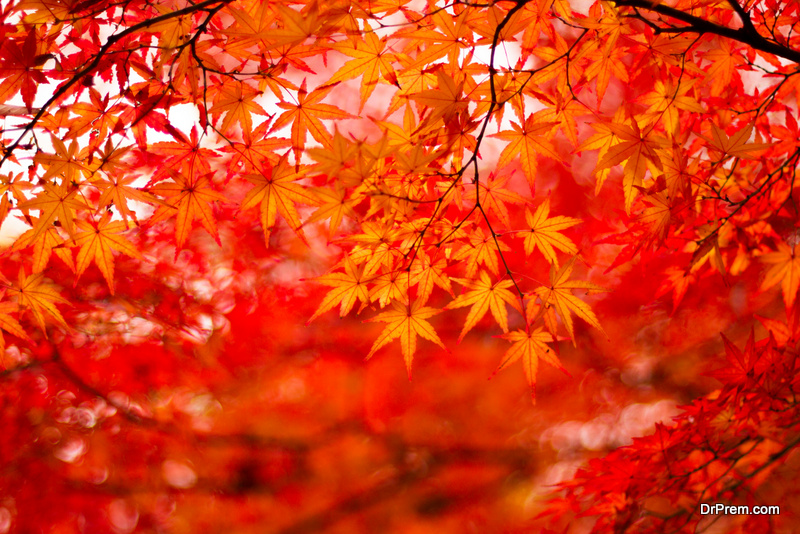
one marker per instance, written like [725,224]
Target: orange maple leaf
[528,140]
[55,202]
[65,164]
[427,273]
[116,190]
[43,246]
[735,145]
[406,321]
[480,250]
[784,269]
[237,102]
[494,196]
[10,324]
[370,61]
[444,102]
[35,294]
[191,196]
[635,149]
[97,241]
[334,205]
[276,192]
[306,115]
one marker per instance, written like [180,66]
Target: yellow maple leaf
[545,233]
[348,287]
[483,296]
[559,295]
[406,321]
[530,347]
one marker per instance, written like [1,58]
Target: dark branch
[747,34]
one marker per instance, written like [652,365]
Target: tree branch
[61,91]
[747,34]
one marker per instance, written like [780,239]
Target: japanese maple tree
[216,211]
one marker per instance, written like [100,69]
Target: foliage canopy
[185,185]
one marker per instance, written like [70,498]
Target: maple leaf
[35,294]
[735,145]
[297,27]
[237,102]
[559,295]
[635,149]
[376,250]
[97,241]
[494,196]
[16,185]
[406,321]
[256,150]
[530,347]
[20,68]
[427,273]
[276,192]
[741,364]
[56,202]
[66,164]
[601,141]
[334,205]
[479,250]
[444,102]
[44,245]
[389,286]
[370,61]
[188,198]
[455,36]
[545,233]
[657,217]
[183,155]
[483,296]
[348,287]
[10,324]
[784,270]
[117,190]
[306,115]
[724,62]
[527,141]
